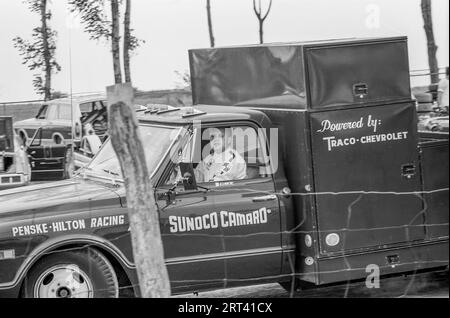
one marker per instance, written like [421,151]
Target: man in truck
[223,162]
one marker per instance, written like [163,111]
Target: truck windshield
[156,140]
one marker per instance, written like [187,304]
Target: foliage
[40,48]
[185,79]
[93,17]
[96,22]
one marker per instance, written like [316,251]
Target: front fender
[12,288]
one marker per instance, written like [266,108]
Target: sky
[171,27]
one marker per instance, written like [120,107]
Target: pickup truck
[325,180]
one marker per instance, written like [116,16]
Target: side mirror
[187,171]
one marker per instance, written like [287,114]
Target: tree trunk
[46,51]
[431,44]
[261,36]
[115,41]
[142,210]
[208,11]
[126,42]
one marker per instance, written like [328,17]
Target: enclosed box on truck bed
[347,128]
[311,75]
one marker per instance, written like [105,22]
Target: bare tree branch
[115,41]
[208,11]
[261,17]
[431,44]
[268,10]
[126,42]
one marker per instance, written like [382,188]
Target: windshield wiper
[204,188]
[111,172]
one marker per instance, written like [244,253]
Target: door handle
[265,198]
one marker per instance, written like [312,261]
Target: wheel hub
[63,281]
[63,292]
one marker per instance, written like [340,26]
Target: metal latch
[393,259]
[408,170]
[360,90]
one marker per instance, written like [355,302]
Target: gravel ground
[423,285]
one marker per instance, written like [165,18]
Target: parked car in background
[14,165]
[74,112]
[438,124]
[50,157]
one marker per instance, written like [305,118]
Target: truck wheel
[82,273]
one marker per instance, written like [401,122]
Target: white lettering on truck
[67,225]
[214,220]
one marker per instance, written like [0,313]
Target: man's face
[216,139]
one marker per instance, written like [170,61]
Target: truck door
[248,212]
[192,244]
[191,238]
[366,175]
[225,231]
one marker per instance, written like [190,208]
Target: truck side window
[238,154]
[250,145]
[222,154]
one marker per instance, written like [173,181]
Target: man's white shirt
[228,165]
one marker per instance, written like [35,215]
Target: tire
[434,128]
[82,273]
[58,139]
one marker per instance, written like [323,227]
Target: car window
[52,112]
[98,105]
[64,112]
[42,112]
[37,138]
[86,108]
